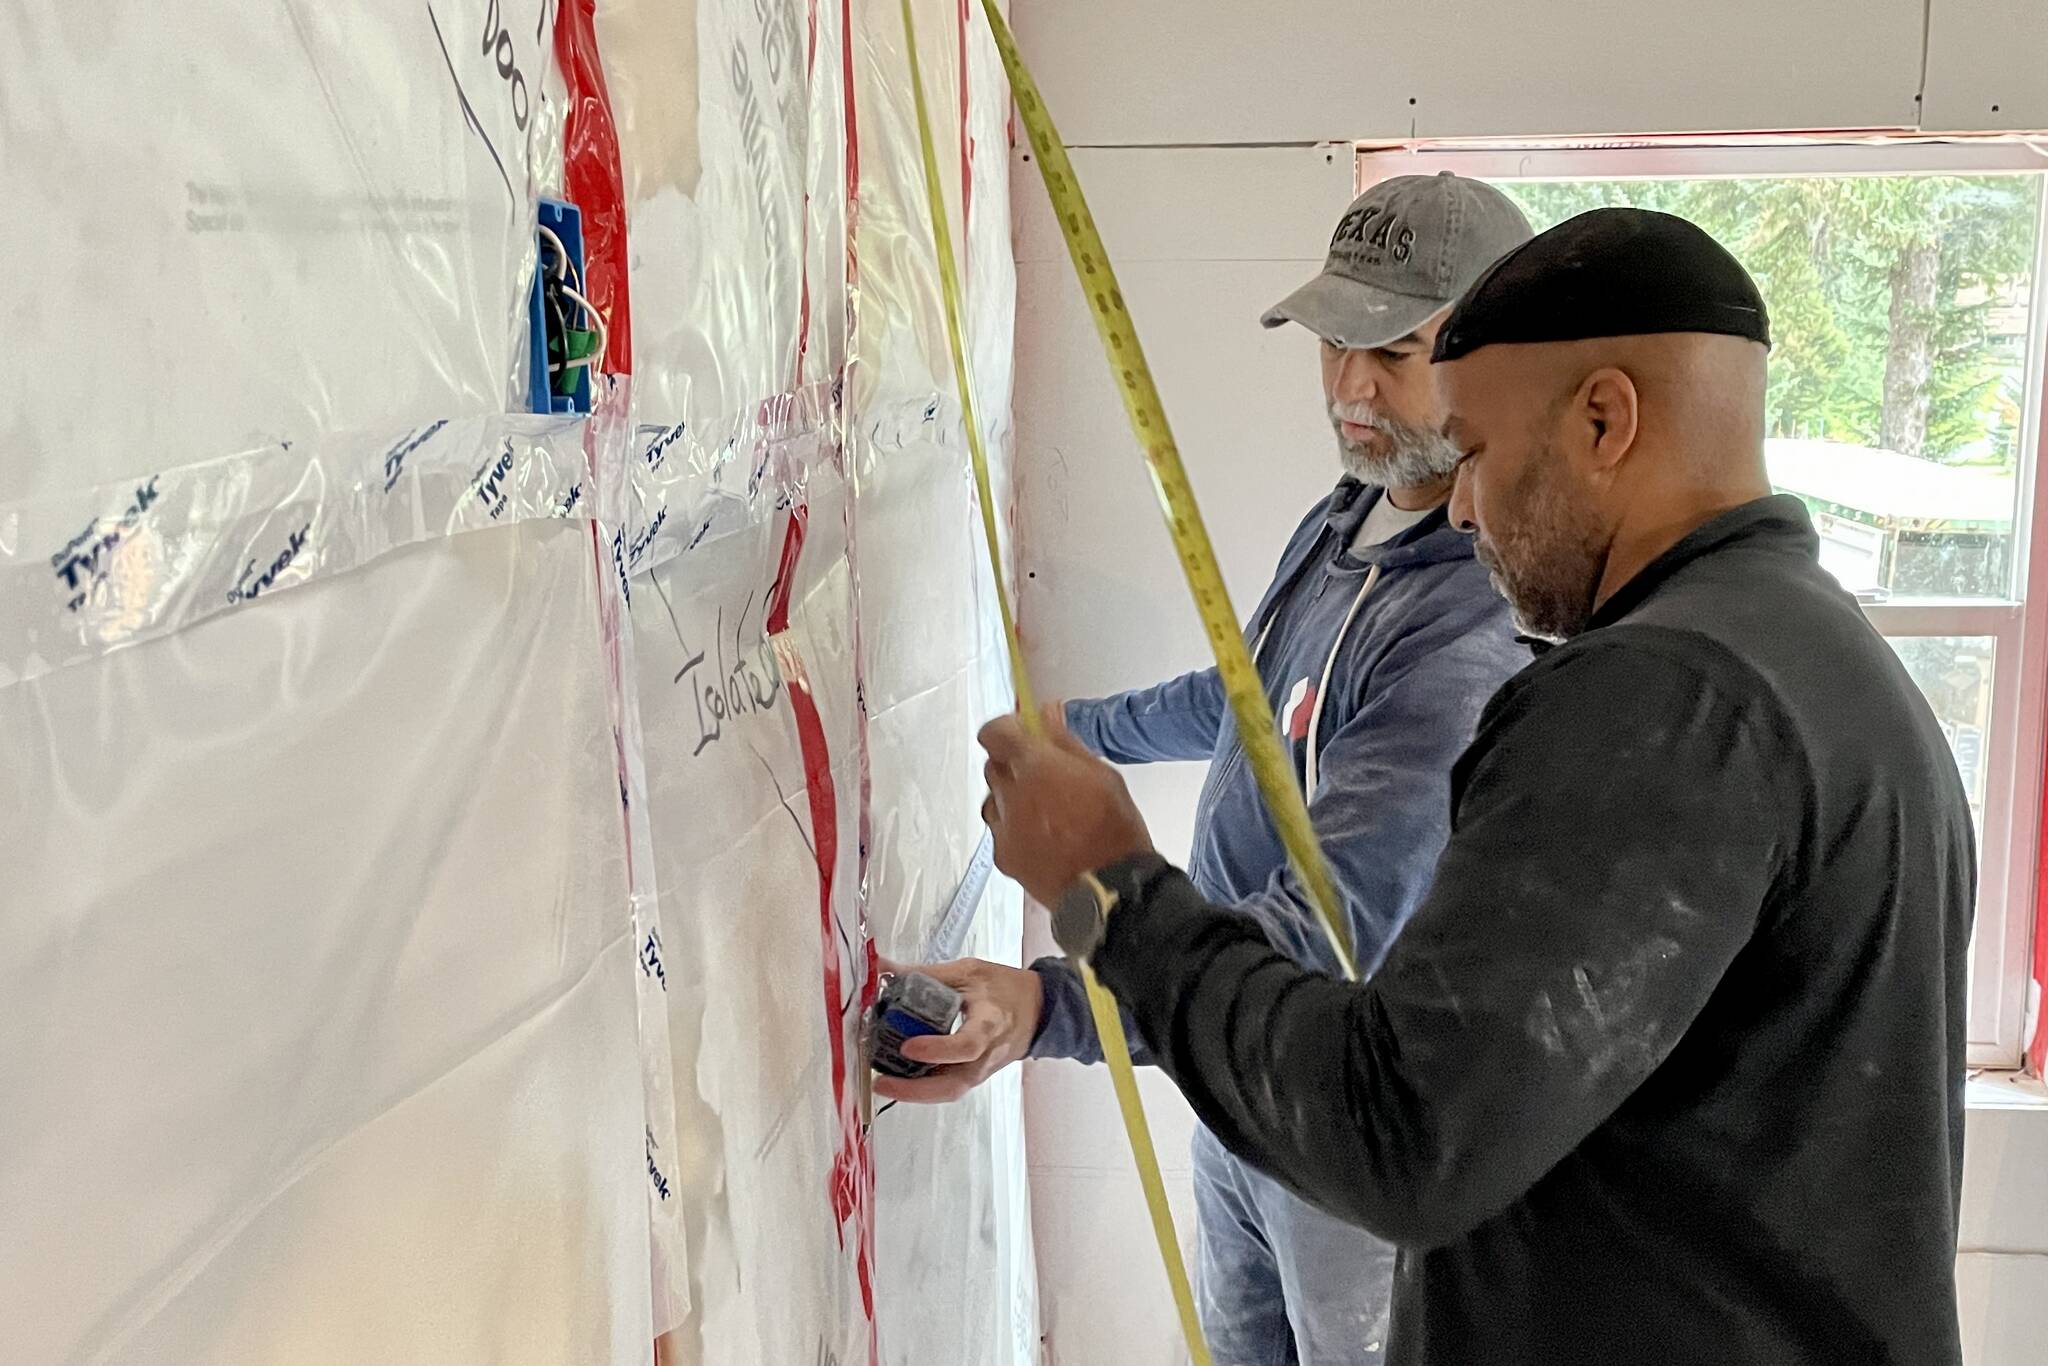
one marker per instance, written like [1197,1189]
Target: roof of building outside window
[1900,491]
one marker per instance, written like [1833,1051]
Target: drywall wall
[1152,73]
[2002,1257]
[1204,239]
[1985,67]
[1157,73]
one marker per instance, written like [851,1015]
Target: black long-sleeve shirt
[1668,1067]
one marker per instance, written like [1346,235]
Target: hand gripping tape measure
[910,1006]
[1257,732]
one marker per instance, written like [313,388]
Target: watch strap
[1080,921]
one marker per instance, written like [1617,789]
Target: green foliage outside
[1889,297]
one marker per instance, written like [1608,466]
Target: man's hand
[999,1009]
[1057,811]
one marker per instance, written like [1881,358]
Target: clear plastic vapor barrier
[492,625]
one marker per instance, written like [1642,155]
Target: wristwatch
[1080,920]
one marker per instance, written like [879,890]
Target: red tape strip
[592,177]
[853,1172]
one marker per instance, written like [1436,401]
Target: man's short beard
[1545,557]
[1416,456]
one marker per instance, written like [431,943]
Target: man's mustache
[1360,417]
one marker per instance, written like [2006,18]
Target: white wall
[1985,67]
[2002,1264]
[1169,72]
[1203,240]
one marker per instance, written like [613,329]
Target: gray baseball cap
[1406,249]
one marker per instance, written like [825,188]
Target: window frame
[2010,877]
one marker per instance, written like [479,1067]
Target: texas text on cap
[1405,248]
[1608,273]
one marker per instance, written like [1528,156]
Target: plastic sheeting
[449,846]
[314,1024]
[846,494]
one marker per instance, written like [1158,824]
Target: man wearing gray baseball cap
[1378,643]
[1402,253]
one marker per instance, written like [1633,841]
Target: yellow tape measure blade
[1257,732]
[949,292]
[1116,1051]
[1115,1048]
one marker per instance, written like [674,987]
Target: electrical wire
[597,318]
[569,281]
[562,266]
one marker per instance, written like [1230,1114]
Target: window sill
[1995,1090]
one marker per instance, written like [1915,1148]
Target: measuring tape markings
[950,934]
[1257,731]
[950,291]
[1108,1023]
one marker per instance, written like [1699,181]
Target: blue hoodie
[1377,664]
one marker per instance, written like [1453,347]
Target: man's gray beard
[1416,457]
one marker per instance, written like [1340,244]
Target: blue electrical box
[558,327]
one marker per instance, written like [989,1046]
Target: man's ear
[1609,406]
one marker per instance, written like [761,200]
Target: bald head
[1677,408]
[1586,459]
[1604,386]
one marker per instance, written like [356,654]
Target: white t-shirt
[1385,522]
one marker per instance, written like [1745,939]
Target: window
[1904,281]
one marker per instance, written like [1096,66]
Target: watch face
[1077,921]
